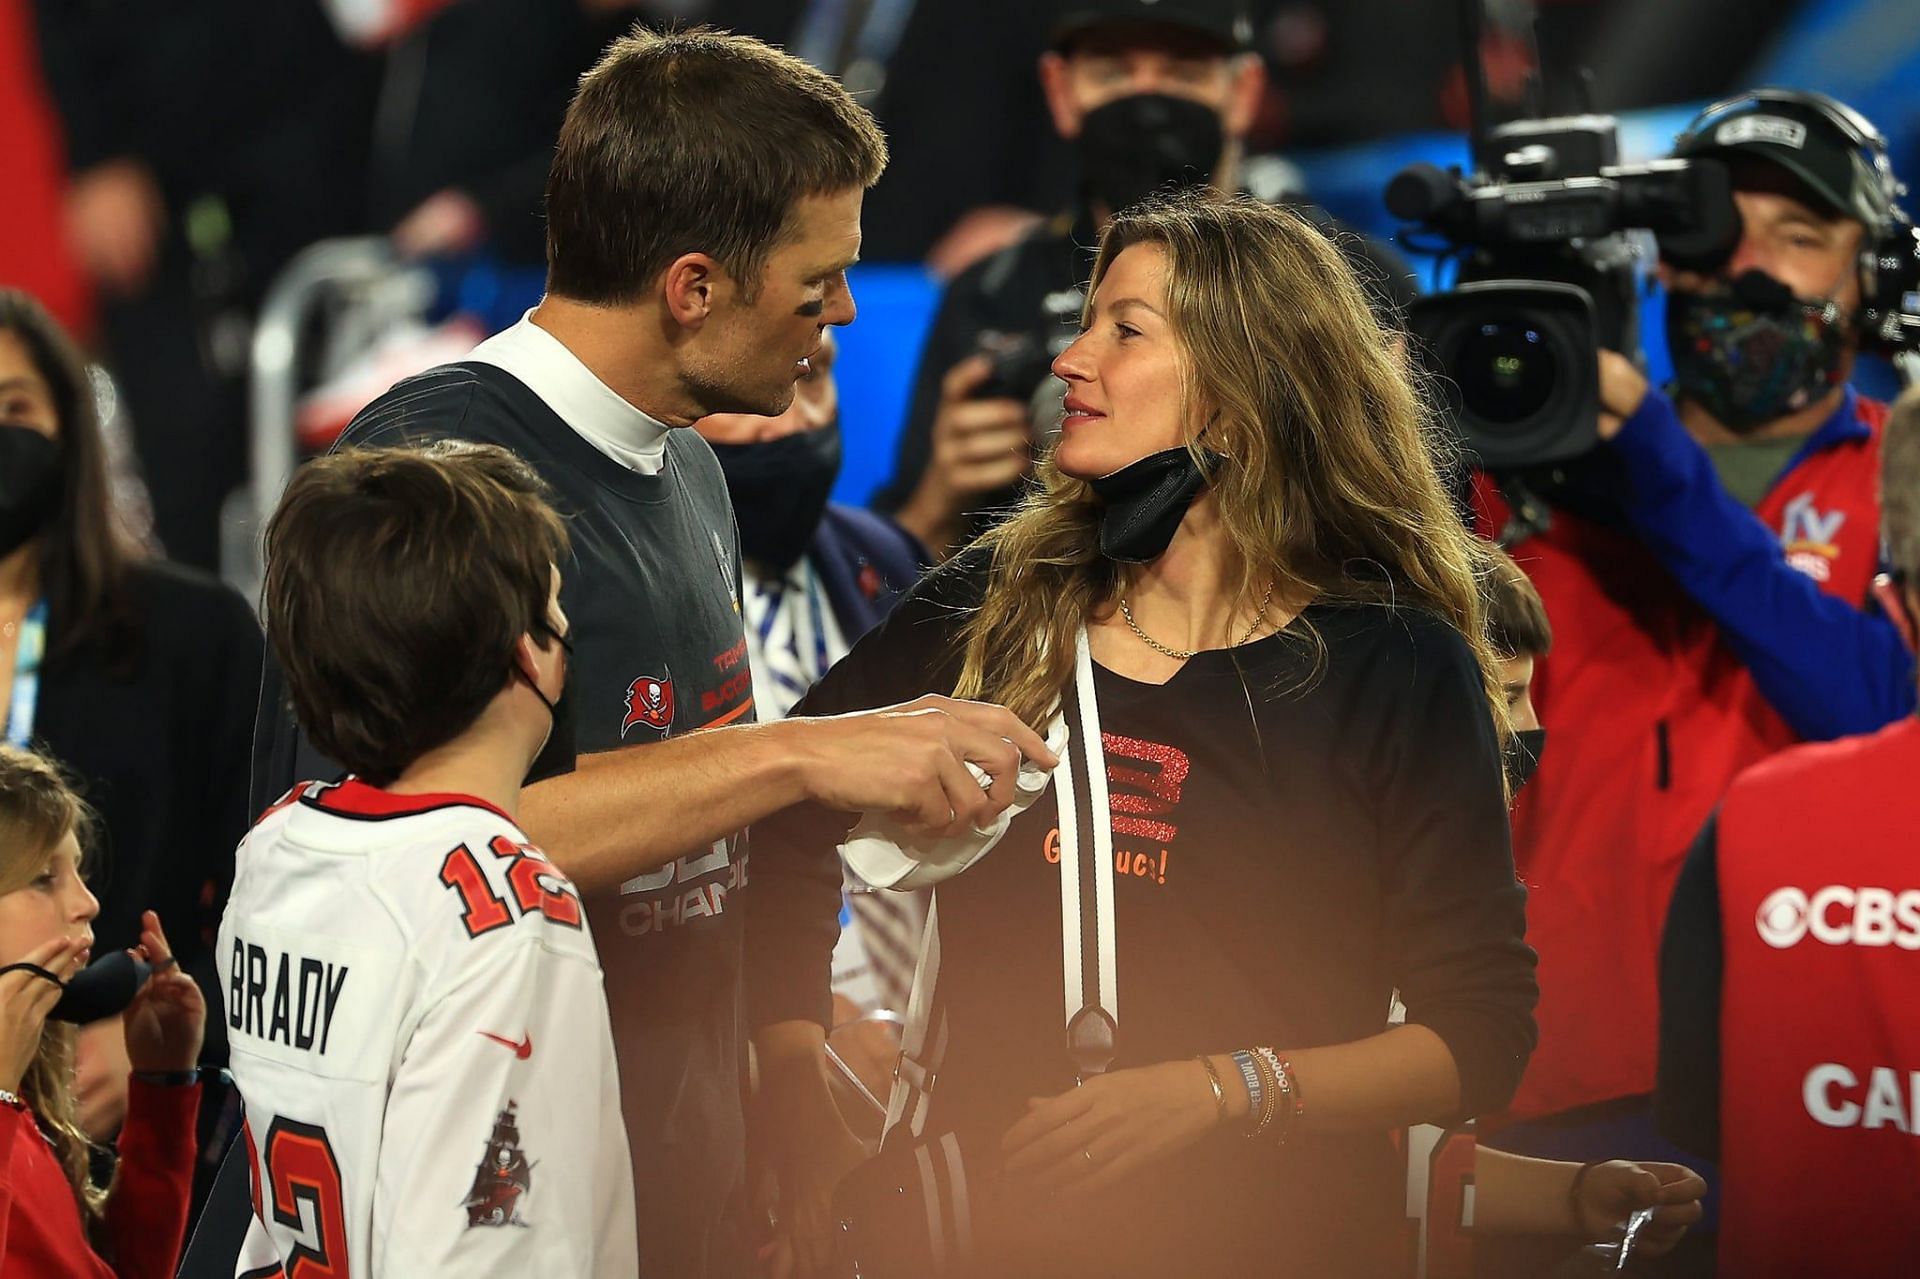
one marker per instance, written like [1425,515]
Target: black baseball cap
[1223,21]
[1833,150]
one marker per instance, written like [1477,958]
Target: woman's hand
[25,1000]
[1613,1191]
[168,1018]
[1111,1127]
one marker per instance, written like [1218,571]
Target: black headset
[1889,265]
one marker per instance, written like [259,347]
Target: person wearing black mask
[1150,93]
[138,675]
[818,574]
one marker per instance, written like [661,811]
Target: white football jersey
[419,1031]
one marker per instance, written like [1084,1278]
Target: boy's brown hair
[398,583]
[1516,616]
[694,141]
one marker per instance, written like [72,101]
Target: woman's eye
[1126,330]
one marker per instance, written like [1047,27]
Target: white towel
[885,853]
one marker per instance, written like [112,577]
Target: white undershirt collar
[595,411]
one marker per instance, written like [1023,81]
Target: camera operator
[1149,92]
[1713,607]
[1799,1016]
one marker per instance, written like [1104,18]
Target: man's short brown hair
[1516,616]
[695,141]
[398,583]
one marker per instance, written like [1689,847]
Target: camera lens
[1506,370]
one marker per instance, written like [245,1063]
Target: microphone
[102,988]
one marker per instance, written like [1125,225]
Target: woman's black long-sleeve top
[1302,825]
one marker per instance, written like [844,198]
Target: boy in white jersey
[416,1014]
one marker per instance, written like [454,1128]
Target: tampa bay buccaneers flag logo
[649,702]
[504,1175]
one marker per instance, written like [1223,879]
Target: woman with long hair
[140,676]
[1302,730]
[50,1206]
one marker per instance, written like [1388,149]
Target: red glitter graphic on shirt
[1140,795]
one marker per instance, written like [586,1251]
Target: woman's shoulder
[1402,641]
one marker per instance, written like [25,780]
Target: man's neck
[485,762]
[625,347]
[20,573]
[1709,430]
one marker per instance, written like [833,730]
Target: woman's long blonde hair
[38,810]
[1331,489]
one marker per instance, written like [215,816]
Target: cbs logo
[1840,916]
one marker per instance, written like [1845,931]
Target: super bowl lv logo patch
[502,1178]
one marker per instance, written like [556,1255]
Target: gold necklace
[1181,655]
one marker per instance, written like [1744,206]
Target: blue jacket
[866,562]
[1832,667]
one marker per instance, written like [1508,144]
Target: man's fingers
[997,444]
[1003,723]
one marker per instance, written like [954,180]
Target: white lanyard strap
[27,656]
[1087,956]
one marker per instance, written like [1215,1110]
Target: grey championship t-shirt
[652,593]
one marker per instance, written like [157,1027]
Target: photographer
[1708,572]
[1149,93]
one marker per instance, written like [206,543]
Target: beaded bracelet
[1213,1082]
[1250,1076]
[1270,1082]
[1287,1096]
[10,1098]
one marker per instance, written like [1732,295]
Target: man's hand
[114,216]
[979,447]
[911,760]
[1622,390]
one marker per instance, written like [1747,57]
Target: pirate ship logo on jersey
[649,702]
[504,1174]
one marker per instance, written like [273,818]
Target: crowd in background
[1719,607]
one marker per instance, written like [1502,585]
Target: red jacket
[33,243]
[1650,716]
[1819,1045]
[41,1234]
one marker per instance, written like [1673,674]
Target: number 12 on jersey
[536,886]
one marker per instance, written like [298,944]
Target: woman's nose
[1074,363]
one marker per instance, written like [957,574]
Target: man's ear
[1057,84]
[1901,608]
[691,288]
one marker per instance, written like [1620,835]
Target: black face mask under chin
[30,486]
[1522,756]
[779,490]
[556,757]
[1146,500]
[1135,145]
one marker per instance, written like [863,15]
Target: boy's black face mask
[556,757]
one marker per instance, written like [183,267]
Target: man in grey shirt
[703,208]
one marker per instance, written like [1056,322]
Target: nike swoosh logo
[523,1049]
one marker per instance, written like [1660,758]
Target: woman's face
[55,904]
[25,397]
[1123,397]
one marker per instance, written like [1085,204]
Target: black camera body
[1548,275]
